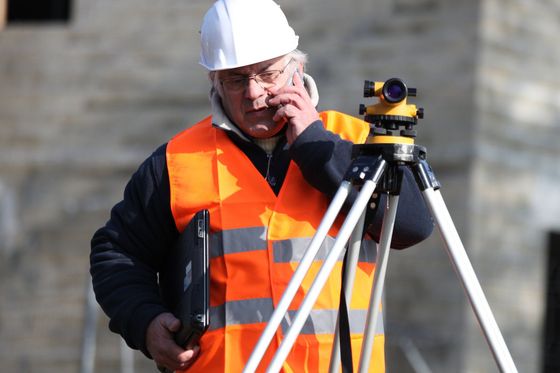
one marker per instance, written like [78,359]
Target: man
[265,164]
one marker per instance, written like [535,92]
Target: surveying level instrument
[377,167]
[392,110]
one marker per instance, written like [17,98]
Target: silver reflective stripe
[252,311]
[324,322]
[249,311]
[240,240]
[293,250]
[237,241]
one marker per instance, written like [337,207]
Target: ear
[215,81]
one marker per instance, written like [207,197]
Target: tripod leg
[343,235]
[298,276]
[348,284]
[466,274]
[378,281]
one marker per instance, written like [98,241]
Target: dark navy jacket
[127,253]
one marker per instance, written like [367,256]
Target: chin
[264,132]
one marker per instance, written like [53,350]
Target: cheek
[232,105]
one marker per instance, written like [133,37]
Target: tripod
[377,166]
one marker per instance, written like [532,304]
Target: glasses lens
[234,84]
[268,77]
[265,79]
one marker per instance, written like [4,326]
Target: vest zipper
[269,158]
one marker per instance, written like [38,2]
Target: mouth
[255,110]
[259,110]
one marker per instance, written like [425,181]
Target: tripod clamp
[395,154]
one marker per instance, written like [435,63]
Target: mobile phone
[291,80]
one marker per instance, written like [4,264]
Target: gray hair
[296,55]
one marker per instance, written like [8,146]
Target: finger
[164,343]
[175,357]
[287,112]
[280,114]
[168,349]
[172,323]
[286,99]
[297,79]
[188,357]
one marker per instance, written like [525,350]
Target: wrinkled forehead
[272,64]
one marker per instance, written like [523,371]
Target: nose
[253,89]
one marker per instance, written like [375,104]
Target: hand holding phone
[294,106]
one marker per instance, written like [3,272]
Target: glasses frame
[244,79]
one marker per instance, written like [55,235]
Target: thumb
[171,323]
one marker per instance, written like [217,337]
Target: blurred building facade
[84,99]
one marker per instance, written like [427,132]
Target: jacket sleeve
[127,252]
[324,158]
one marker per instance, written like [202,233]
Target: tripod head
[391,112]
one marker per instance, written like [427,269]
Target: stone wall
[82,104]
[515,195]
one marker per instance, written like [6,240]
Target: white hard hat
[237,33]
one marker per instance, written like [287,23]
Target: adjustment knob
[362,109]
[369,88]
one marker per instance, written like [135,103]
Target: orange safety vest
[257,240]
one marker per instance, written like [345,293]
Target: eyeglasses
[266,79]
